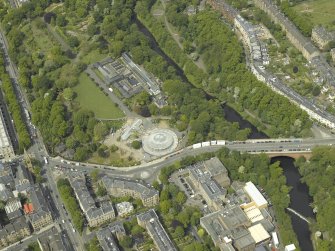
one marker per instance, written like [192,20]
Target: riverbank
[247,118]
[233,83]
[286,230]
[299,201]
[231,113]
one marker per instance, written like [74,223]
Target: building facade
[321,37]
[38,211]
[94,215]
[293,34]
[202,179]
[150,221]
[332,53]
[120,188]
[6,148]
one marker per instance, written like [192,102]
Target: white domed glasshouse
[159,142]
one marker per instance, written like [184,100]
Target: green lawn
[319,11]
[91,97]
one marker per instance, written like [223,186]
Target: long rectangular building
[6,148]
[303,44]
[150,221]
[255,195]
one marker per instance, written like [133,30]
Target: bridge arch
[293,155]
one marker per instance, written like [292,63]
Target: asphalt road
[62,216]
[153,168]
[39,150]
[146,171]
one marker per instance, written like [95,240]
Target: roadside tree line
[14,107]
[71,204]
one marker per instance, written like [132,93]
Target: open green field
[92,98]
[319,12]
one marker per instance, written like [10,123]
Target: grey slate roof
[15,226]
[145,191]
[106,240]
[51,241]
[86,201]
[156,230]
[39,204]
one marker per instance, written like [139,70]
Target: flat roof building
[201,176]
[124,208]
[228,228]
[254,214]
[255,195]
[259,234]
[150,221]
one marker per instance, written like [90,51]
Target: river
[229,113]
[300,198]
[300,201]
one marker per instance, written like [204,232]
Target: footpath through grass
[92,98]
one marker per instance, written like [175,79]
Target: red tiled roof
[28,208]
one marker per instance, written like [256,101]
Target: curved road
[146,171]
[152,168]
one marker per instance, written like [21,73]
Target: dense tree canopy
[227,77]
[319,175]
[71,204]
[14,108]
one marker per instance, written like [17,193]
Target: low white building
[255,195]
[124,208]
[290,247]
